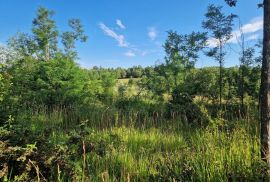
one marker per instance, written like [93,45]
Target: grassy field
[169,153]
[138,143]
[165,121]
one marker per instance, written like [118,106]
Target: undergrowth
[221,151]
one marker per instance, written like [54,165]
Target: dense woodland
[167,122]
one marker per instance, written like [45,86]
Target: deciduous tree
[220,26]
[45,33]
[265,82]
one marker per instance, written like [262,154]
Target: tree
[43,44]
[265,83]
[55,82]
[23,44]
[231,2]
[4,85]
[3,92]
[45,33]
[58,82]
[70,37]
[182,52]
[202,82]
[265,86]
[220,26]
[186,46]
[8,55]
[246,60]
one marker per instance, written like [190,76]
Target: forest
[172,121]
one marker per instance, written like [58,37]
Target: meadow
[130,145]
[167,122]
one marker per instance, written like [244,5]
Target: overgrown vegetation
[171,122]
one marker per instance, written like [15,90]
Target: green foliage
[56,82]
[231,2]
[220,26]
[181,55]
[60,122]
[61,81]
[5,87]
[122,89]
[23,160]
[45,33]
[217,153]
[43,43]
[181,105]
[23,44]
[69,38]
[184,47]
[202,82]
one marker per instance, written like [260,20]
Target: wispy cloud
[253,26]
[147,52]
[249,30]
[253,37]
[152,33]
[119,38]
[120,24]
[130,53]
[212,42]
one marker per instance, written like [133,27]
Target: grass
[130,84]
[181,153]
[112,145]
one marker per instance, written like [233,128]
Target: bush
[182,106]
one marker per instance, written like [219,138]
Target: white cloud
[212,42]
[152,33]
[120,24]
[147,52]
[144,53]
[253,37]
[130,53]
[252,27]
[119,38]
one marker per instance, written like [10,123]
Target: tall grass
[177,153]
[135,145]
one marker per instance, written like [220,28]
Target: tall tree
[265,83]
[265,86]
[246,60]
[43,44]
[70,37]
[45,33]
[182,51]
[220,26]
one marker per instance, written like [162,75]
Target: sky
[124,33]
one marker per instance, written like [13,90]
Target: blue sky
[129,32]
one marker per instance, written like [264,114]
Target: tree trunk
[265,87]
[242,63]
[220,85]
[242,87]
[220,73]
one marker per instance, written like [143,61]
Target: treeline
[123,73]
[40,68]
